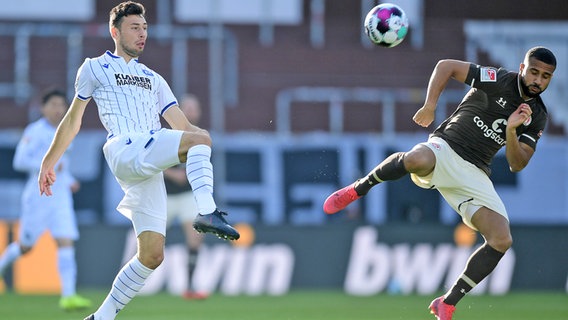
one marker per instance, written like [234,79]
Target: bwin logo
[496,126]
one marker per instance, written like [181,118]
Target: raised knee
[203,137]
[199,137]
[419,160]
[191,139]
[412,160]
[206,138]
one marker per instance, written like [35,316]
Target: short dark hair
[125,9]
[50,93]
[542,54]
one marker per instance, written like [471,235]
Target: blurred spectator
[55,213]
[181,202]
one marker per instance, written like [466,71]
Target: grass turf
[297,305]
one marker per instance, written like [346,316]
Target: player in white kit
[40,214]
[131,98]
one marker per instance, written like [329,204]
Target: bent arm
[518,154]
[443,72]
[178,121]
[66,132]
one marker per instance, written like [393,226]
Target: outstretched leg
[391,168]
[420,160]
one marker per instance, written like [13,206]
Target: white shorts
[137,161]
[40,213]
[182,206]
[465,187]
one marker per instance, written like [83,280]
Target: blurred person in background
[181,202]
[130,99]
[502,109]
[54,214]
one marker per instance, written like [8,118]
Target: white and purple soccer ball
[386,25]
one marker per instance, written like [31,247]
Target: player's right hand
[424,116]
[45,180]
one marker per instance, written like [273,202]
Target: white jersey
[34,143]
[130,97]
[40,213]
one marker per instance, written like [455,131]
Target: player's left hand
[45,180]
[519,116]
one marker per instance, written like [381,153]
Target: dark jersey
[476,129]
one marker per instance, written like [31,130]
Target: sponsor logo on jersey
[502,102]
[488,74]
[130,80]
[435,145]
[492,132]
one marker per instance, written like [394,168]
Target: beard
[526,88]
[133,52]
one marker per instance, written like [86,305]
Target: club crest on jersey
[488,74]
[148,72]
[528,121]
[130,80]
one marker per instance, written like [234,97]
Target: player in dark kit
[502,108]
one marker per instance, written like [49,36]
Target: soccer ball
[386,25]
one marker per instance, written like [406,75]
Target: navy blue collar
[117,57]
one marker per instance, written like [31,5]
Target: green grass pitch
[297,305]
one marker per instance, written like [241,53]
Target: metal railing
[336,97]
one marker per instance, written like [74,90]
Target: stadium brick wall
[291,61]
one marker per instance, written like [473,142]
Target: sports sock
[392,168]
[191,263]
[125,287]
[67,270]
[10,255]
[199,172]
[480,265]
